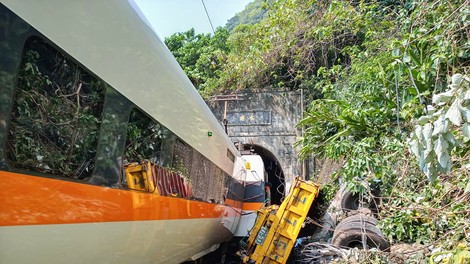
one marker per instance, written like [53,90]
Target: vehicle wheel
[349,234]
[358,218]
[350,201]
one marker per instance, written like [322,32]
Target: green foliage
[404,56]
[200,55]
[439,132]
[286,48]
[369,69]
[328,192]
[252,14]
[434,44]
[144,138]
[56,115]
[375,96]
[428,213]
[337,121]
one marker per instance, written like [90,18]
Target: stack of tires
[359,228]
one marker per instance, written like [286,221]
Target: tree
[200,55]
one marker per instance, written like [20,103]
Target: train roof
[115,42]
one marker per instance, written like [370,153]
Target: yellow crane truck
[276,228]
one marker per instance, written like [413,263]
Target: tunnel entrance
[273,169]
[266,122]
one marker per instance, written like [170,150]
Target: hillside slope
[388,91]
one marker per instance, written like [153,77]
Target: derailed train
[107,152]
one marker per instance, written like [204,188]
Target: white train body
[59,207]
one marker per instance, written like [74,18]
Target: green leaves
[370,70]
[433,143]
[453,113]
[201,56]
[56,115]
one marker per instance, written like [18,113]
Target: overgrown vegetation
[388,86]
[252,14]
[56,115]
[202,56]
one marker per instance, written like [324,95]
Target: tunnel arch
[274,170]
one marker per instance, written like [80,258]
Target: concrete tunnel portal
[266,123]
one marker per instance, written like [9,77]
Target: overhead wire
[208,17]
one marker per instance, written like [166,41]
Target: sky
[170,16]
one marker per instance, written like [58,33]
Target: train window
[56,114]
[13,31]
[230,155]
[144,138]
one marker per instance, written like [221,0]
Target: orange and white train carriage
[107,152]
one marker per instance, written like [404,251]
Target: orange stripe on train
[252,206]
[32,200]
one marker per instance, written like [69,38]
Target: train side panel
[64,193]
[51,221]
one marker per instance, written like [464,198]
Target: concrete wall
[266,119]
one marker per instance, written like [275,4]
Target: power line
[207,14]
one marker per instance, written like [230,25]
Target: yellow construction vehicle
[276,228]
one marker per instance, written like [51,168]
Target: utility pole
[226,99]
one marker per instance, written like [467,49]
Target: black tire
[358,218]
[350,201]
[349,234]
